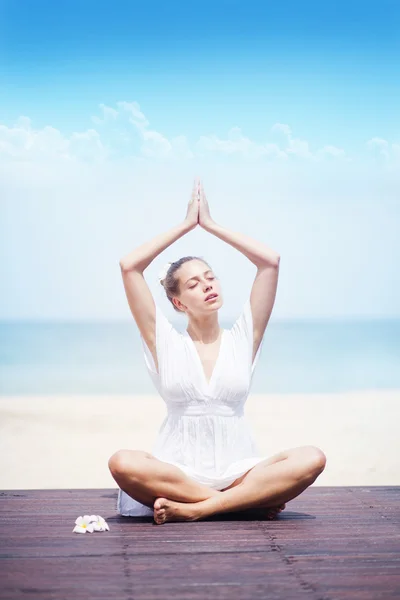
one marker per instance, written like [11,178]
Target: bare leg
[145,478]
[267,484]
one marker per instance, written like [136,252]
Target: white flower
[163,273]
[83,524]
[90,523]
[99,524]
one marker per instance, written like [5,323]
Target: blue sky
[331,70]
[292,106]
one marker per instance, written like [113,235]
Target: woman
[204,460]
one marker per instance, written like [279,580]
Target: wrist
[209,225]
[188,225]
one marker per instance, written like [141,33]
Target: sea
[298,356]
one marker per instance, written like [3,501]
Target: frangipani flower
[83,524]
[100,524]
[90,523]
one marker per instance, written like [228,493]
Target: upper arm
[262,300]
[142,306]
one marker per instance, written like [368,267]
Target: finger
[196,188]
[203,193]
[194,191]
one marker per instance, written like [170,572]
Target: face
[197,281]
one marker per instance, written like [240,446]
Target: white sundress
[204,433]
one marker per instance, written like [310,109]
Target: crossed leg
[174,496]
[145,478]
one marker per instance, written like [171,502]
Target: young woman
[204,460]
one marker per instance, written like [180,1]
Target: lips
[210,296]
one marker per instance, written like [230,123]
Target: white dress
[205,433]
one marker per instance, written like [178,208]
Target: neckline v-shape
[209,383]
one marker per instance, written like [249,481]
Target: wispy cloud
[109,114]
[384,148]
[124,130]
[22,142]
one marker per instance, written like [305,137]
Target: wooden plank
[330,542]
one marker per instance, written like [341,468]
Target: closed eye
[193,286]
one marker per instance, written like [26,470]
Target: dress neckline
[208,384]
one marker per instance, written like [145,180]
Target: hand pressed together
[198,211]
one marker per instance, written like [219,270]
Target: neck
[205,331]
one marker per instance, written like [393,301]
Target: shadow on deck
[329,543]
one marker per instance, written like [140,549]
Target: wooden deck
[330,543]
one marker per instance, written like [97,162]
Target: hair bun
[163,273]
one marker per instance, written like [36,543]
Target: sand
[58,441]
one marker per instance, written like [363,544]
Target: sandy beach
[65,441]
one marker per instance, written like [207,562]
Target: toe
[159,519]
[159,503]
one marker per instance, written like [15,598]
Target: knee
[123,462]
[316,460]
[118,462]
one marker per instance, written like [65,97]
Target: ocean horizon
[106,357]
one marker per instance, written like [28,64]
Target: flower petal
[89,528]
[79,521]
[92,518]
[78,529]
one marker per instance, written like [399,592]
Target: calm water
[107,358]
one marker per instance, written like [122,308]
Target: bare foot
[273,511]
[169,510]
[269,511]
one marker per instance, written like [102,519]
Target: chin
[218,303]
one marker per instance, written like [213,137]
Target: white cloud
[381,145]
[385,153]
[137,118]
[86,145]
[282,127]
[109,114]
[153,143]
[237,144]
[295,146]
[125,131]
[331,151]
[21,142]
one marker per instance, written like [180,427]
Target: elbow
[126,266]
[275,261]
[123,266]
[271,262]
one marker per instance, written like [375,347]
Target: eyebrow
[196,276]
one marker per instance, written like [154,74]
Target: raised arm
[132,266]
[266,260]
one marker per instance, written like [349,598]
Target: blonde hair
[171,282]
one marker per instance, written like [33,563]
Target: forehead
[192,268]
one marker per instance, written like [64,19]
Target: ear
[178,304]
